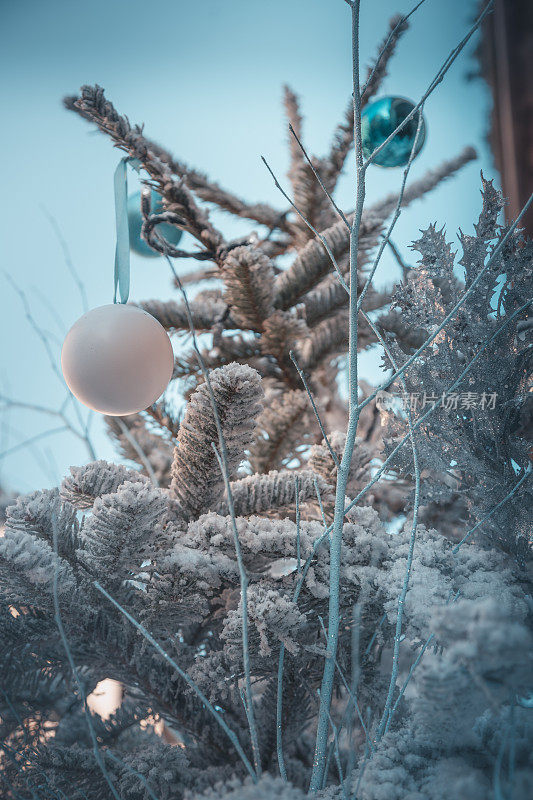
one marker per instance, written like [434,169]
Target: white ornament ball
[117,359]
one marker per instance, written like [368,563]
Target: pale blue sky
[206,79]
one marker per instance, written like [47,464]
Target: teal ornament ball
[379,119]
[135,220]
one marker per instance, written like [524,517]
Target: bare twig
[61,629]
[414,665]
[409,563]
[53,363]
[319,498]
[399,260]
[315,409]
[68,258]
[397,212]
[60,413]
[351,695]
[493,510]
[337,754]
[32,440]
[353,418]
[188,680]
[311,227]
[138,449]
[319,179]
[433,84]
[279,709]
[222,458]
[386,50]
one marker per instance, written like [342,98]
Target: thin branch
[343,472]
[68,258]
[59,623]
[396,215]
[409,563]
[410,673]
[9,403]
[337,753]
[281,660]
[201,696]
[332,166]
[386,48]
[223,464]
[315,409]
[433,85]
[351,695]
[297,514]
[319,179]
[507,497]
[60,324]
[399,260]
[279,710]
[223,461]
[32,440]
[297,589]
[59,414]
[374,635]
[52,360]
[38,330]
[311,227]
[44,459]
[138,449]
[319,498]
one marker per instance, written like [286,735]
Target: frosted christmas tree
[272,636]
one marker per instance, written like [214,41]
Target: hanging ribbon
[122,250]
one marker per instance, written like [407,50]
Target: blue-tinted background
[206,78]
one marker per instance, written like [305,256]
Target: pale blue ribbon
[122,250]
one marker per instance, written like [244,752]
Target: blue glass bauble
[379,119]
[135,221]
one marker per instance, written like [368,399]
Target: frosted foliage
[281,428]
[268,788]
[85,484]
[31,567]
[321,460]
[249,281]
[122,526]
[273,616]
[277,489]
[478,433]
[227,601]
[35,512]
[197,482]
[439,574]
[399,771]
